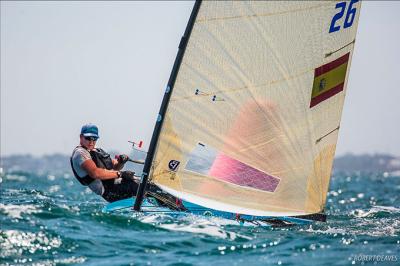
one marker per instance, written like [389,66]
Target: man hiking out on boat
[93,167]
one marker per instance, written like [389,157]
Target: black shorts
[126,189]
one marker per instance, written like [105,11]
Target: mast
[164,106]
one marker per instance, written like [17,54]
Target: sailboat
[249,122]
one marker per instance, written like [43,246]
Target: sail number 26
[350,15]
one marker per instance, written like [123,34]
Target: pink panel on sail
[233,171]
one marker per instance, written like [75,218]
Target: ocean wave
[211,226]
[375,210]
[16,211]
[62,223]
[376,222]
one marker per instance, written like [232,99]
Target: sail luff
[164,106]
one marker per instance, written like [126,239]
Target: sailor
[93,167]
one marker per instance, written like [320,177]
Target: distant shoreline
[344,163]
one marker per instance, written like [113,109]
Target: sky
[64,64]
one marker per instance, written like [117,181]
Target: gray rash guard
[79,156]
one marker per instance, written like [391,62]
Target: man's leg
[118,191]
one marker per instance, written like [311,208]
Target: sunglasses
[91,138]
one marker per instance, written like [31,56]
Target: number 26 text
[350,15]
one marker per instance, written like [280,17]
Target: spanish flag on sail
[329,80]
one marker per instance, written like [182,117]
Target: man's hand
[122,159]
[128,175]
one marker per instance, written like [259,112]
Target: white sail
[253,119]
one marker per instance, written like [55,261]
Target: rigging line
[164,200]
[318,140]
[215,98]
[167,202]
[329,54]
[201,93]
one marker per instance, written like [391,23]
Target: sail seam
[264,15]
[247,87]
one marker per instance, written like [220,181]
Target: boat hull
[151,206]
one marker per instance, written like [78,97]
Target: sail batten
[253,120]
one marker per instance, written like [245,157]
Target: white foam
[16,211]
[207,230]
[54,188]
[387,208]
[375,209]
[16,242]
[204,227]
[387,226]
[19,178]
[72,260]
[212,226]
[329,231]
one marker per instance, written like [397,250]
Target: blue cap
[90,130]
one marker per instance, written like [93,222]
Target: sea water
[47,218]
